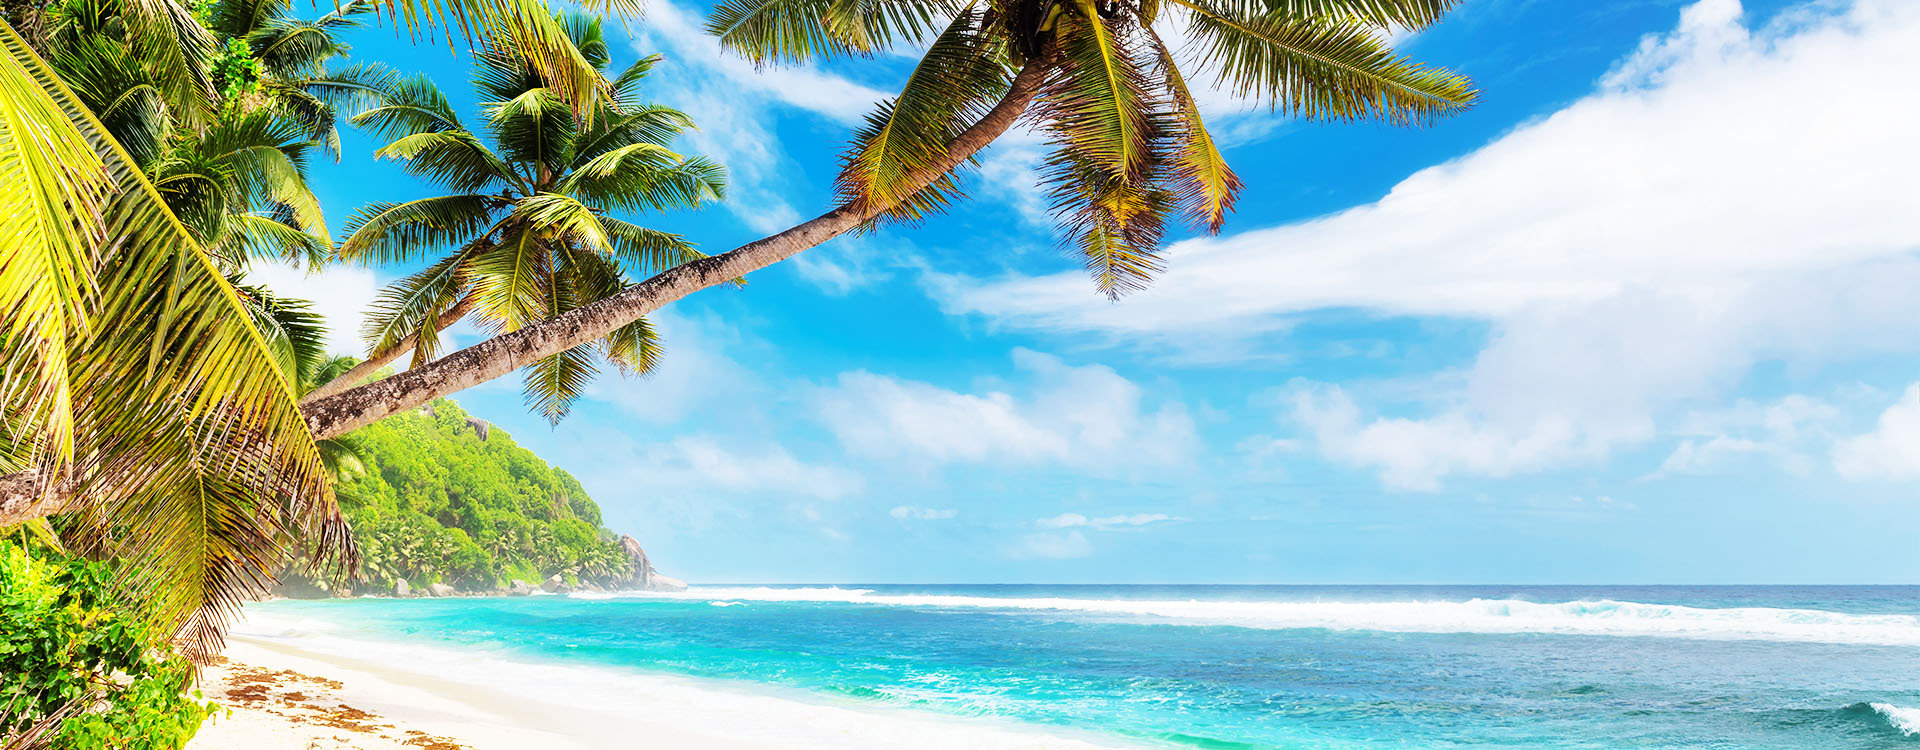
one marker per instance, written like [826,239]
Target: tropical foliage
[440,504]
[1128,145]
[80,668]
[527,229]
[136,383]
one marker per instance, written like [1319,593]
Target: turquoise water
[1257,667]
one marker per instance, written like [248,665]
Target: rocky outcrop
[440,589]
[400,588]
[556,585]
[520,588]
[480,427]
[645,578]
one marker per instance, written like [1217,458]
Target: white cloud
[1075,520]
[1050,546]
[1087,416]
[341,294]
[1891,450]
[1640,249]
[702,464]
[911,513]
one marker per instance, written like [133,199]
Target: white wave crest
[1493,616]
[1907,720]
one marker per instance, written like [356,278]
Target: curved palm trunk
[331,416]
[342,413]
[374,362]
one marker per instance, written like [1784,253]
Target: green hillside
[441,497]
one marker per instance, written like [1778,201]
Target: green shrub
[70,648]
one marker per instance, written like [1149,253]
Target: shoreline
[297,689]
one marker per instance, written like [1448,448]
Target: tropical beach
[1038,374]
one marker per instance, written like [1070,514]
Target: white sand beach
[298,690]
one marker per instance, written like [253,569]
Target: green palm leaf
[402,232]
[186,442]
[1321,67]
[957,79]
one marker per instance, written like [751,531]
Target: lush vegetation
[437,503]
[81,667]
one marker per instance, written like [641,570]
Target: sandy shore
[323,694]
[279,697]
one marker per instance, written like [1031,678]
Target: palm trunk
[342,413]
[338,414]
[374,362]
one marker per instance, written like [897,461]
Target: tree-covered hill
[441,497]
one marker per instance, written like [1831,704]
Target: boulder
[480,427]
[440,589]
[657,582]
[555,585]
[520,588]
[402,589]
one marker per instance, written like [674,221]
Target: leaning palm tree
[1129,145]
[528,227]
[148,405]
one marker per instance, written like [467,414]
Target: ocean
[1213,666]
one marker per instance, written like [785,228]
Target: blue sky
[1648,314]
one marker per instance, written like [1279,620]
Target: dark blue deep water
[1257,666]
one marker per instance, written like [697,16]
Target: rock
[642,568]
[556,585]
[440,589]
[657,582]
[520,588]
[591,586]
[402,589]
[480,427]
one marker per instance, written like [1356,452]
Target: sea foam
[1604,617]
[1907,720]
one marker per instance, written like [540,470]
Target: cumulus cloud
[911,513]
[1639,250]
[1086,416]
[704,464]
[1891,450]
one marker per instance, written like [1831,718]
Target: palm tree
[1129,145]
[280,61]
[529,222]
[137,388]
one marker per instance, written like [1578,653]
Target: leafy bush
[80,669]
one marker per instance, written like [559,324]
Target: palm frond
[266,236]
[186,438]
[510,280]
[404,232]
[776,31]
[412,308]
[1206,186]
[408,105]
[557,215]
[294,333]
[1321,68]
[113,82]
[635,123]
[958,78]
[642,177]
[453,158]
[645,252]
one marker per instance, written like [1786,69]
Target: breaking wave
[1603,617]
